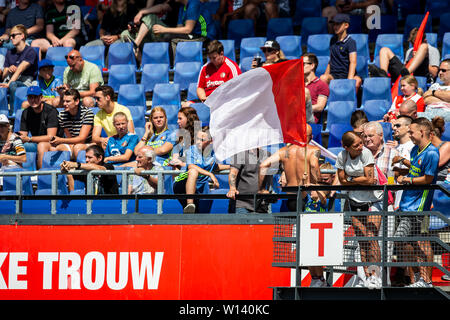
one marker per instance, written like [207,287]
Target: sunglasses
[71,57]
[13,35]
[397,125]
[268,50]
[443,70]
[305,62]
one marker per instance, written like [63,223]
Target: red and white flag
[261,107]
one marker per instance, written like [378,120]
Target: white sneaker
[190,208]
[373,282]
[421,284]
[318,283]
[360,283]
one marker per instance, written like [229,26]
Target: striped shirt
[13,147]
[84,116]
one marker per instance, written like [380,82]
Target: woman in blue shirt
[157,135]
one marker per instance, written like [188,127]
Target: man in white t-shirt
[437,97]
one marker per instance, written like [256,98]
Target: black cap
[341,17]
[271,44]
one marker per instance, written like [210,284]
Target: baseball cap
[271,44]
[341,17]
[34,91]
[45,63]
[3,119]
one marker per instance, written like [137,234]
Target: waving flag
[261,107]
[417,43]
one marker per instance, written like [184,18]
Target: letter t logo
[321,227]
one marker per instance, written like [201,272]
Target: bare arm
[352,66]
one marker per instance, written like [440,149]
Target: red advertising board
[138,262]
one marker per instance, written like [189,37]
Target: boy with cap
[48,83]
[343,55]
[40,120]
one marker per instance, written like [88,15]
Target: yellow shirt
[105,120]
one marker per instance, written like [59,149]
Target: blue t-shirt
[197,11]
[340,56]
[205,160]
[423,163]
[117,146]
[14,58]
[157,140]
[49,88]
[314,205]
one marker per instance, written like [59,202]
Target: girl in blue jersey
[157,135]
[120,147]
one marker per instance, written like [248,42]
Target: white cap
[3,119]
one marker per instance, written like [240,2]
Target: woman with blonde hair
[272,52]
[157,135]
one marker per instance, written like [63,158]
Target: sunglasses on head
[72,57]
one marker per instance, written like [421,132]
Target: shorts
[412,226]
[396,68]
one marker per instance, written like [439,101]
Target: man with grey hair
[139,184]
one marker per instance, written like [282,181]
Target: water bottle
[257,57]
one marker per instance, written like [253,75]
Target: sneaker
[360,283]
[190,208]
[373,282]
[420,284]
[445,277]
[318,283]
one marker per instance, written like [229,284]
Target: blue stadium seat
[146,206]
[342,90]
[189,51]
[30,164]
[362,44]
[245,64]
[219,205]
[250,46]
[444,25]
[335,151]
[4,101]
[17,118]
[317,132]
[388,24]
[138,114]
[9,183]
[362,66]
[153,74]
[319,44]
[186,72]
[20,97]
[192,91]
[155,52]
[446,45]
[94,54]
[240,28]
[376,89]
[441,203]
[171,113]
[229,49]
[279,27]
[437,8]
[413,21]
[52,160]
[304,9]
[166,93]
[376,109]
[58,71]
[120,74]
[387,130]
[339,112]
[446,135]
[121,53]
[313,25]
[336,132]
[131,95]
[392,41]
[203,112]
[58,55]
[323,63]
[432,38]
[291,45]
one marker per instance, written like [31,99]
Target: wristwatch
[349,179]
[432,92]
[78,165]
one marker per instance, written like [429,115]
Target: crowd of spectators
[58,114]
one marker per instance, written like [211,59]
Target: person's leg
[385,55]
[12,91]
[419,56]
[191,183]
[42,147]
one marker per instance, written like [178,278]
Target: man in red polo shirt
[218,70]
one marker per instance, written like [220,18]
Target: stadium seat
[376,89]
[387,130]
[121,53]
[339,112]
[245,64]
[20,97]
[229,48]
[131,95]
[171,113]
[376,109]
[58,55]
[189,51]
[336,132]
[94,54]
[120,74]
[393,41]
[166,93]
[240,28]
[291,45]
[313,25]
[446,135]
[437,8]
[319,44]
[316,132]
[17,118]
[432,38]
[192,92]
[58,71]
[444,25]
[362,44]
[441,203]
[138,114]
[279,27]
[446,45]
[30,164]
[362,67]
[186,72]
[52,160]
[323,63]
[219,205]
[342,90]
[356,22]
[155,53]
[250,46]
[4,101]
[413,21]
[9,183]
[303,9]
[153,74]
[388,24]
[203,112]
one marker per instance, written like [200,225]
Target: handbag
[382,180]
